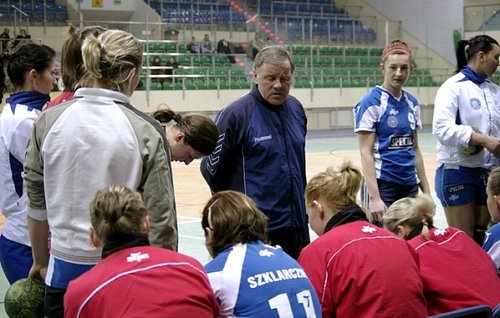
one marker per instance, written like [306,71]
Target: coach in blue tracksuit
[261,150]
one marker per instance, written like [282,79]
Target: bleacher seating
[316,66]
[207,12]
[323,66]
[37,10]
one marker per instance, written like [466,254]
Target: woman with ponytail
[456,272]
[357,268]
[135,279]
[189,136]
[31,71]
[387,120]
[466,124]
[72,69]
[83,145]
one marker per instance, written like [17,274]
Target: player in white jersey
[466,124]
[386,121]
[31,68]
[250,278]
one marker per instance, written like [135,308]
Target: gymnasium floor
[323,149]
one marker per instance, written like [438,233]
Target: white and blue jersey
[258,280]
[466,102]
[16,124]
[394,122]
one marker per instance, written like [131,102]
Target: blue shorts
[60,273]
[456,186]
[390,192]
[16,259]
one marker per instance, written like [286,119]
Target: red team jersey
[360,270]
[456,272]
[142,281]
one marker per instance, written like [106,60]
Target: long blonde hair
[110,57]
[416,213]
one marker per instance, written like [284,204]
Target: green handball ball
[24,299]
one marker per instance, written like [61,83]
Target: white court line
[189,222]
[192,237]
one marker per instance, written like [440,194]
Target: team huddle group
[88,196]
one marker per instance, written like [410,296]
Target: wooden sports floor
[323,149]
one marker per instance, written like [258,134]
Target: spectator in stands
[256,44]
[357,269]
[158,69]
[189,136]
[72,68]
[4,38]
[206,46]
[9,47]
[235,232]
[261,150]
[456,272]
[226,48]
[159,282]
[492,239]
[468,135]
[193,46]
[386,121]
[90,142]
[172,67]
[22,37]
[31,71]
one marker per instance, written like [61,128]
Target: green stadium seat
[155,86]
[189,83]
[181,47]
[206,60]
[235,84]
[168,85]
[171,47]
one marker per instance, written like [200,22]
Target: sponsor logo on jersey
[456,188]
[262,138]
[399,142]
[394,112]
[368,229]
[262,279]
[392,122]
[439,232]
[137,257]
[475,103]
[453,197]
[266,253]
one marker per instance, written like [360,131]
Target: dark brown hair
[233,218]
[72,69]
[467,49]
[200,132]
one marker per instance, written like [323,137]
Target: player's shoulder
[372,98]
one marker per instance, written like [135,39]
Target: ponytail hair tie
[177,118]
